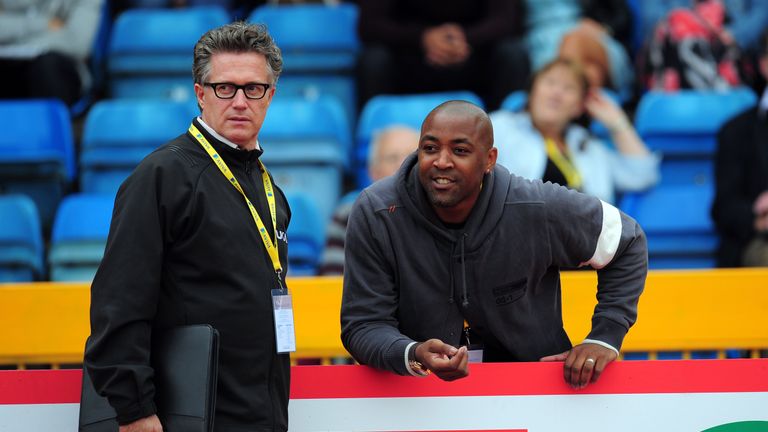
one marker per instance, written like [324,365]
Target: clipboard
[185,360]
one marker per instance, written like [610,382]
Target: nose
[443,160]
[239,100]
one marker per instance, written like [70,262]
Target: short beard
[436,201]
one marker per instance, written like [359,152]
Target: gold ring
[591,360]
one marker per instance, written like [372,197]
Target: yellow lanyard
[268,244]
[562,163]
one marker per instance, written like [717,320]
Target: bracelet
[419,368]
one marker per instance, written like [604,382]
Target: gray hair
[377,138]
[237,37]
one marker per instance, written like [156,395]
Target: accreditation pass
[285,333]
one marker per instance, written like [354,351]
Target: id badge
[475,353]
[285,334]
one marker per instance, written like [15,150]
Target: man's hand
[146,424]
[445,361]
[445,45]
[583,363]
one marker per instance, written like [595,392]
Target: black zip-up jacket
[183,249]
[408,277]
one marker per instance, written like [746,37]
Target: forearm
[619,287]
[77,35]
[626,139]
[378,345]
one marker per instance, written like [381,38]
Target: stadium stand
[119,133]
[21,240]
[150,52]
[319,45]
[305,235]
[676,221]
[682,126]
[79,237]
[306,143]
[37,154]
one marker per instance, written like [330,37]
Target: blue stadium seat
[386,110]
[305,235]
[119,133]
[676,221]
[312,37]
[683,126]
[37,153]
[150,54]
[306,143]
[319,45]
[21,240]
[685,123]
[79,236]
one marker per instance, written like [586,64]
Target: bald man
[453,259]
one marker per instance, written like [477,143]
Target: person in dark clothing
[740,208]
[190,245]
[454,249]
[429,45]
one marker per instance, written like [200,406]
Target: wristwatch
[414,364]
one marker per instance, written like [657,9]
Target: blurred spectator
[740,208]
[44,45]
[700,44]
[744,19]
[545,142]
[385,155]
[415,46]
[594,33]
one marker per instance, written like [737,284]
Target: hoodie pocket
[509,293]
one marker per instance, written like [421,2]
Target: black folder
[185,360]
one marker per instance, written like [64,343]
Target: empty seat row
[145,60]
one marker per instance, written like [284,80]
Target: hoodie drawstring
[464,293]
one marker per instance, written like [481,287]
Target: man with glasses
[198,236]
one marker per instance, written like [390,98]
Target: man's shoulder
[381,194]
[178,151]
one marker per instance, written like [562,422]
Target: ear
[493,154]
[270,94]
[199,93]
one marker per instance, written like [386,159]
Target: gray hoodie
[410,278]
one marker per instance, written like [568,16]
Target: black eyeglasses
[225,90]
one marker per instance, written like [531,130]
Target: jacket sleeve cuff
[136,412]
[608,332]
[602,344]
[397,357]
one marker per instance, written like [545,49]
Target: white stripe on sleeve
[608,241]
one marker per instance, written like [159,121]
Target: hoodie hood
[482,219]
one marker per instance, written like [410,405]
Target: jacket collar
[232,156]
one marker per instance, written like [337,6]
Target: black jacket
[741,174]
[408,277]
[183,249]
